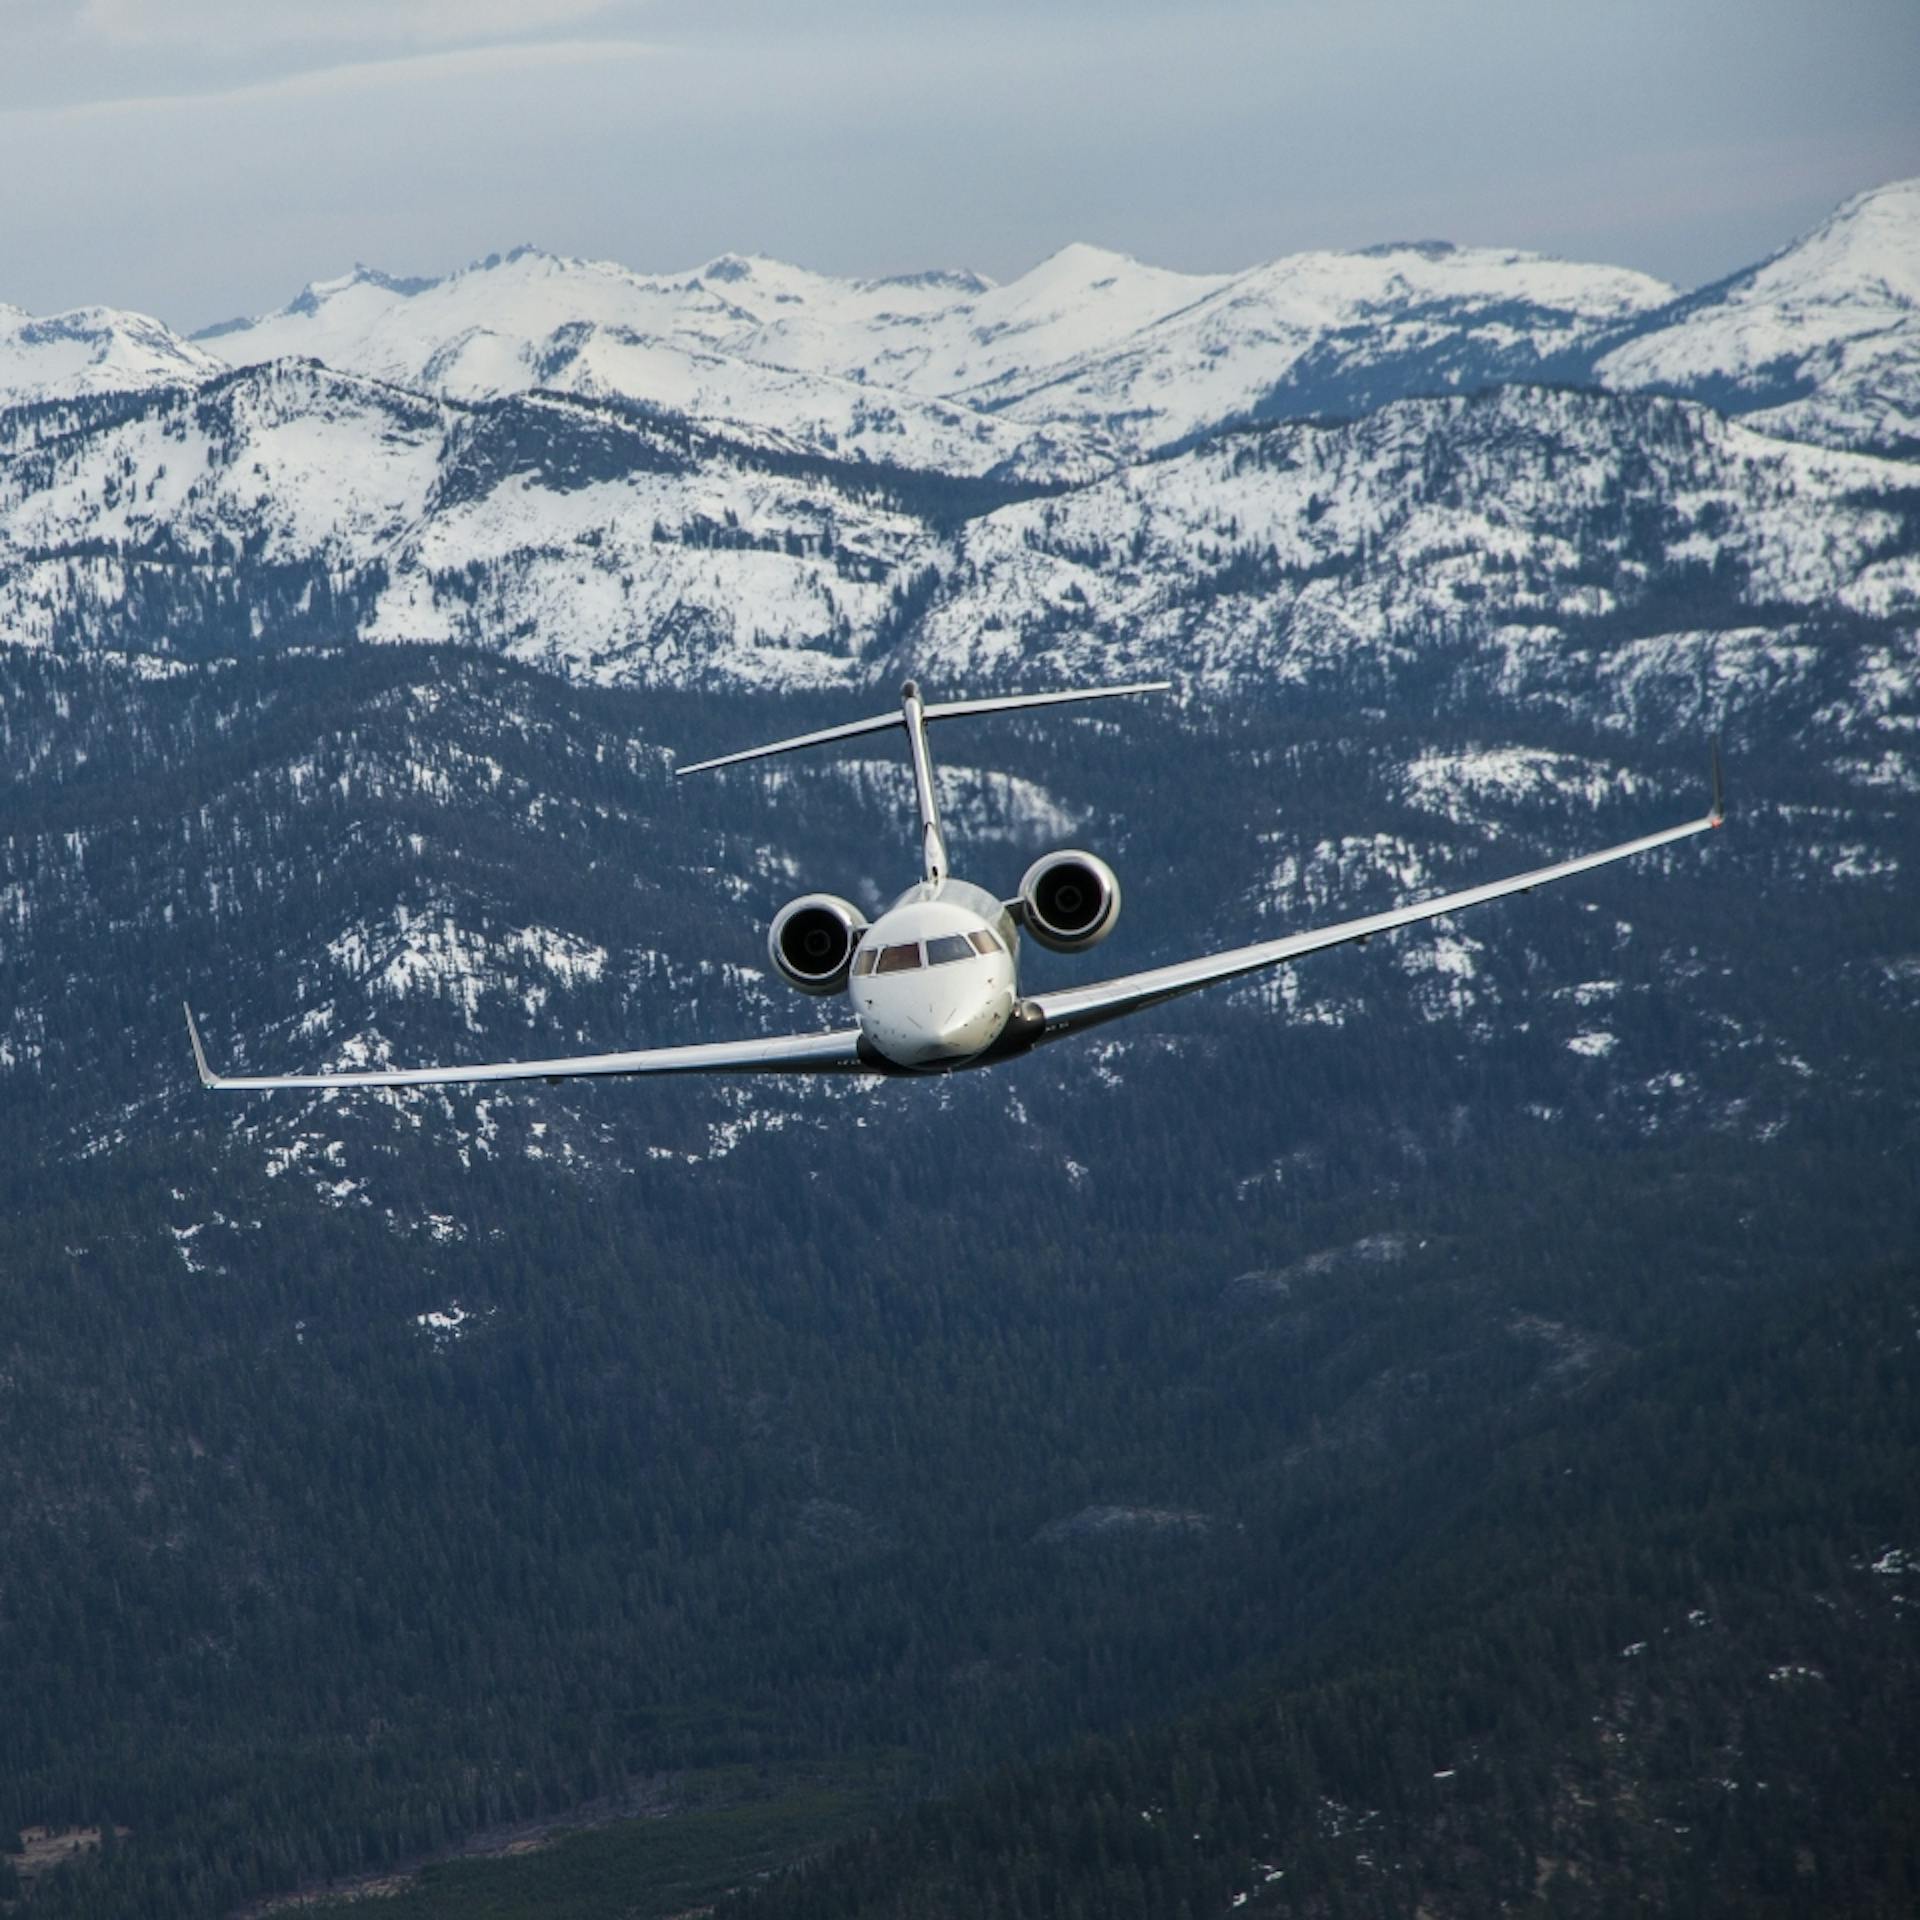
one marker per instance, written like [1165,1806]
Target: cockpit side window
[949,946]
[901,959]
[864,961]
[983,941]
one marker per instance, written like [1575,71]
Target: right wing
[791,1053]
[1073,1008]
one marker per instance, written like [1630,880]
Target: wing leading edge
[1072,1009]
[791,1053]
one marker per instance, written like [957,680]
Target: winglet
[207,1076]
[1719,791]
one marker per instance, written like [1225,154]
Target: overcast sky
[202,158]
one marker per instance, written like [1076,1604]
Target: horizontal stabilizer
[939,710]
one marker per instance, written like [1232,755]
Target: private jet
[935,980]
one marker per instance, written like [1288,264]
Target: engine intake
[812,939]
[1069,900]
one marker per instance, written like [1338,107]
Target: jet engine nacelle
[812,939]
[1069,900]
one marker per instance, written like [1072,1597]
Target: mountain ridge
[618,545]
[1819,341]
[1090,357]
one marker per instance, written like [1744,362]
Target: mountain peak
[316,293]
[1868,246]
[961,280]
[778,279]
[1081,258]
[1426,249]
[91,350]
[513,257]
[1819,342]
[1891,200]
[1097,279]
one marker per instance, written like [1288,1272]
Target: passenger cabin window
[863,961]
[983,941]
[899,959]
[949,946]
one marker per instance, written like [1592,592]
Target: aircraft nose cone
[954,1036]
[954,1027]
[933,1037]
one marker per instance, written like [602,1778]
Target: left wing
[791,1053]
[1073,1008]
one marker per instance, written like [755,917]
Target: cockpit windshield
[940,951]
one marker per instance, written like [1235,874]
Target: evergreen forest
[1434,1433]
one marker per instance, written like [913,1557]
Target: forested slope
[379,1473]
[1658,1655]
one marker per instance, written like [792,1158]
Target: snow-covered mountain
[691,343]
[1333,333]
[862,369]
[92,350]
[1089,360]
[287,503]
[971,338]
[756,476]
[1109,358]
[1821,342]
[497,325]
[1502,530]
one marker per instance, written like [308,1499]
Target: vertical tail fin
[933,843]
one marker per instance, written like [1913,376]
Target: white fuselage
[935,978]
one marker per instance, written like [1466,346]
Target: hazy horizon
[209,158]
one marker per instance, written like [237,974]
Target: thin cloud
[237,26]
[403,70]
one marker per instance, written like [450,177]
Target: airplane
[934,981]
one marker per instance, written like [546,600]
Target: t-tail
[915,716]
